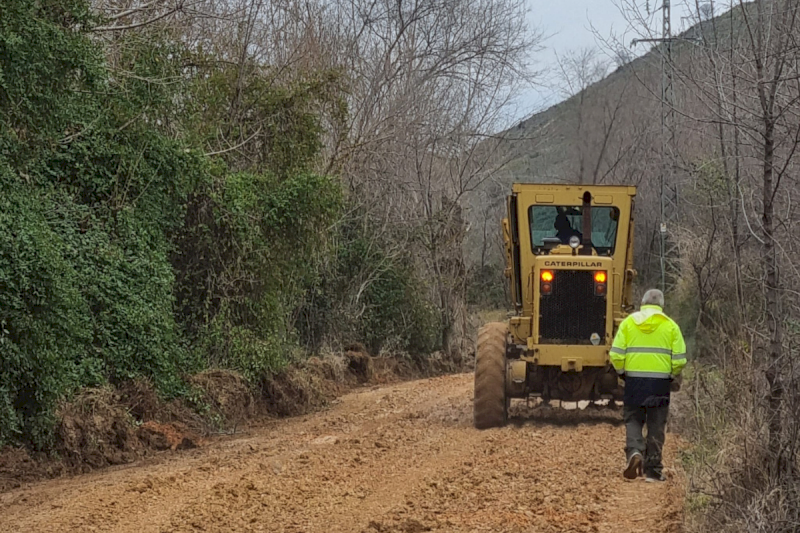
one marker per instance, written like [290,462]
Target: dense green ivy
[245,256]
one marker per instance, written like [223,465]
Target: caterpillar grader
[569,261]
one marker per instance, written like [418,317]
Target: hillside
[609,133]
[620,109]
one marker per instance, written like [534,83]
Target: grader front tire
[490,403]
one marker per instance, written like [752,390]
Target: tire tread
[489,405]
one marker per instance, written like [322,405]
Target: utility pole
[669,189]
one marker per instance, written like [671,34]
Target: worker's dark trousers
[656,420]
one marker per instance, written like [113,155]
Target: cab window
[562,222]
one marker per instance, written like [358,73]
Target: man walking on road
[648,353]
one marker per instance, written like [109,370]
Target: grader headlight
[574,242]
[600,279]
[547,282]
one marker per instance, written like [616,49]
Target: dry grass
[732,484]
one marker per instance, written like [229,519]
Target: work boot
[634,466]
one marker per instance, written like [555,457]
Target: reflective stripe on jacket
[648,344]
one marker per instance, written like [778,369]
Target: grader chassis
[569,261]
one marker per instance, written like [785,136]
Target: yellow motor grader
[569,254]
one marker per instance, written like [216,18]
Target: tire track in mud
[401,458]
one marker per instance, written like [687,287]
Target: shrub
[369,293]
[487,287]
[44,323]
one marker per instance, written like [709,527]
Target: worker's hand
[675,383]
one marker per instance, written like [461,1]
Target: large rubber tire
[490,406]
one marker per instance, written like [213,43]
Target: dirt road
[401,458]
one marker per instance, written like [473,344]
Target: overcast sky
[568,25]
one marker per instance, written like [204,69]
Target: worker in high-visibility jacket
[648,353]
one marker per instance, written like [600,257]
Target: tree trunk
[772,370]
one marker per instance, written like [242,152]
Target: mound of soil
[295,391]
[359,362]
[105,426]
[99,426]
[332,373]
[174,436]
[95,430]
[228,394]
[17,466]
[141,400]
[391,369]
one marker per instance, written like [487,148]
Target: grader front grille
[572,311]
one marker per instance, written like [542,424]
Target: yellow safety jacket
[648,344]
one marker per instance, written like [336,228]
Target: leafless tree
[738,102]
[577,71]
[430,83]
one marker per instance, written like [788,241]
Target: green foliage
[487,287]
[248,250]
[86,297]
[370,294]
[96,197]
[398,310]
[238,104]
[43,326]
[42,61]
[9,418]
[129,251]
[255,352]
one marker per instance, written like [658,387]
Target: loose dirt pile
[174,436]
[95,430]
[113,426]
[227,394]
[398,458]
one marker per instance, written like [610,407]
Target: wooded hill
[608,131]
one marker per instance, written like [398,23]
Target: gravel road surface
[400,458]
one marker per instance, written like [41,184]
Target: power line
[668,256]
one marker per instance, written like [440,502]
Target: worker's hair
[653,297]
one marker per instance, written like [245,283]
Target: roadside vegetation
[731,171]
[232,185]
[737,272]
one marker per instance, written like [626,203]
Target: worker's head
[562,223]
[653,297]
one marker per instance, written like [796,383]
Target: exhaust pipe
[586,249]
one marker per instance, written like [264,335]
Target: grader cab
[569,252]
